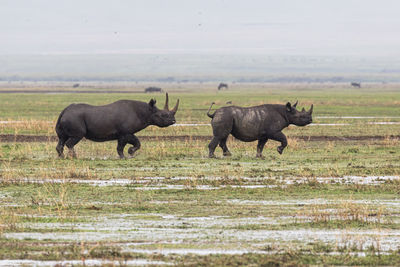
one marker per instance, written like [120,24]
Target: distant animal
[116,121]
[76,85]
[229,102]
[152,89]
[255,123]
[222,85]
[358,85]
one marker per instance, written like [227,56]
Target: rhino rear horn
[311,109]
[175,109]
[166,102]
[152,102]
[288,106]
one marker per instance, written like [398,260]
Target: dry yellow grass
[346,211]
[28,126]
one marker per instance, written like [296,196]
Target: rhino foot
[227,154]
[280,149]
[260,156]
[131,156]
[72,154]
[131,151]
[211,156]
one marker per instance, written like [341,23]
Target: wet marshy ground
[169,217]
[331,198]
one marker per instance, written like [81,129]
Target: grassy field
[320,202]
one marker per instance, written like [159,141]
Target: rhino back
[102,123]
[257,122]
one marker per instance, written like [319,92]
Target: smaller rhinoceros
[255,123]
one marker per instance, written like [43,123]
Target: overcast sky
[284,27]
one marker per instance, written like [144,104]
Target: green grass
[176,158]
[54,210]
[40,111]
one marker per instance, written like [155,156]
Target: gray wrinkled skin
[255,123]
[117,121]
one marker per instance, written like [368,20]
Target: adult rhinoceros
[255,123]
[116,121]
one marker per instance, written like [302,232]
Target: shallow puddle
[317,201]
[386,240]
[217,230]
[88,262]
[250,183]
[128,222]
[185,251]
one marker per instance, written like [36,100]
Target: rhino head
[299,118]
[163,117]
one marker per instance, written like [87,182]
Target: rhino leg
[225,149]
[211,147]
[280,137]
[70,143]
[260,147]
[222,127]
[133,140]
[122,141]
[60,146]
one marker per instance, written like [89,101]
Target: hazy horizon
[311,28]
[199,40]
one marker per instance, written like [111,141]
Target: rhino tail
[209,109]
[58,125]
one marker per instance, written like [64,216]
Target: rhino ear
[152,103]
[288,107]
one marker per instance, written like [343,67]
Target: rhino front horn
[166,102]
